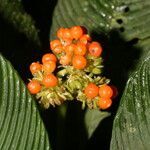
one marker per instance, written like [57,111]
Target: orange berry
[79,62]
[66,42]
[85,39]
[105,91]
[76,32]
[49,66]
[49,57]
[60,33]
[35,67]
[50,80]
[66,34]
[104,103]
[80,49]
[54,44]
[58,49]
[95,49]
[69,49]
[65,60]
[34,87]
[91,90]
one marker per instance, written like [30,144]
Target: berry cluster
[72,72]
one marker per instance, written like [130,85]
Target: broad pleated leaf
[95,15]
[20,124]
[130,18]
[131,128]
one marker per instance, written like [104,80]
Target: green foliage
[94,15]
[21,126]
[130,19]
[92,120]
[131,125]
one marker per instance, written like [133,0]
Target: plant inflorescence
[72,71]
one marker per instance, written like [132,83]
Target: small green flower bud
[62,73]
[74,85]
[96,71]
[97,62]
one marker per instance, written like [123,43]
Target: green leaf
[131,127]
[21,126]
[92,120]
[15,14]
[94,15]
[130,18]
